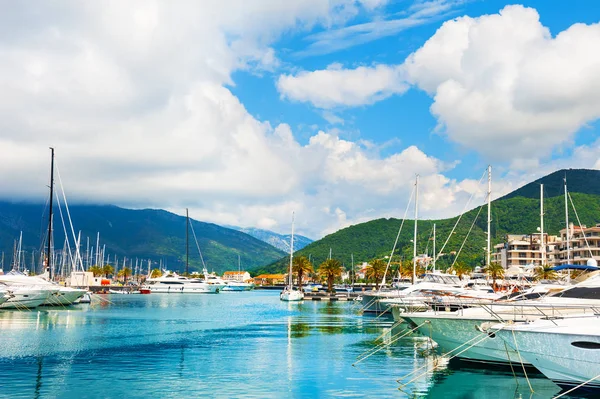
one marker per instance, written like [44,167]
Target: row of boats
[19,291]
[554,328]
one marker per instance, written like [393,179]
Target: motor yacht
[174,283]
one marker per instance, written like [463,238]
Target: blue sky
[244,112]
[401,120]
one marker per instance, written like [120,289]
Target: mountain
[279,241]
[144,234]
[515,213]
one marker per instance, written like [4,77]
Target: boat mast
[292,253]
[50,215]
[489,218]
[414,275]
[542,245]
[567,222]
[352,260]
[434,257]
[187,243]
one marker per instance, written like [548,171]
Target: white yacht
[63,296]
[27,297]
[465,330]
[566,350]
[176,284]
[5,294]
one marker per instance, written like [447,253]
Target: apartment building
[584,243]
[524,250]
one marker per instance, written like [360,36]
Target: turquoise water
[231,345]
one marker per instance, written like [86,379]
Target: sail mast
[542,245]
[414,276]
[434,257]
[50,215]
[187,243]
[291,252]
[489,218]
[567,222]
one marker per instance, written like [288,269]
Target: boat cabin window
[580,292]
[442,279]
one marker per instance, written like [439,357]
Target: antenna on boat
[50,215]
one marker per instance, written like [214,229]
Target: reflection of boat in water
[472,383]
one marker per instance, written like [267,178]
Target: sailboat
[289,293]
[236,285]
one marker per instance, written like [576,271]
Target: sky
[247,111]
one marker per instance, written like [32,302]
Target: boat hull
[26,299]
[572,360]
[291,296]
[465,338]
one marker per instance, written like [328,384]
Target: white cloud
[336,86]
[133,96]
[503,86]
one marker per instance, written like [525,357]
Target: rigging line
[521,360]
[477,339]
[62,219]
[198,246]
[467,236]
[579,221]
[398,235]
[381,346]
[62,189]
[577,387]
[459,217]
[429,239]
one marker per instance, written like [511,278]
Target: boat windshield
[442,279]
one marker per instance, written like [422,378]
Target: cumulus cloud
[337,86]
[135,98]
[503,86]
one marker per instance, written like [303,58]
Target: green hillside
[144,234]
[511,214]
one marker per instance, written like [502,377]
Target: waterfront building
[525,250]
[269,279]
[584,242]
[240,276]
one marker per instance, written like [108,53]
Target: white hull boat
[566,350]
[27,298]
[291,295]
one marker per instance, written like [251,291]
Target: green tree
[300,266]
[124,272]
[376,270]
[460,269]
[330,269]
[155,273]
[545,273]
[108,269]
[495,271]
[97,270]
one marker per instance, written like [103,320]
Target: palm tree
[376,270]
[97,270]
[155,273]
[301,265]
[461,269]
[108,269]
[406,269]
[124,272]
[545,273]
[495,271]
[330,269]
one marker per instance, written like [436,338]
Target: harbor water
[231,345]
